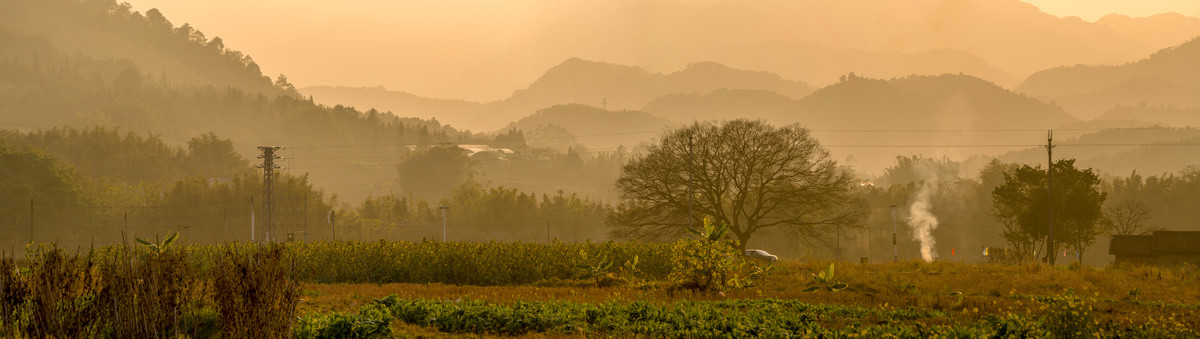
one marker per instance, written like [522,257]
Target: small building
[1163,248]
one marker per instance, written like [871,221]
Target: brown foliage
[256,292]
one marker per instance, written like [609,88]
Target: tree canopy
[748,175]
[1021,206]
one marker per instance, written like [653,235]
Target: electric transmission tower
[268,167]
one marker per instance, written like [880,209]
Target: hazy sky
[468,49]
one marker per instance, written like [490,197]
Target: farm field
[607,289]
[886,297]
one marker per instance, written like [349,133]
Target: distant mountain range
[1151,151]
[1168,77]
[481,51]
[1159,30]
[574,81]
[68,63]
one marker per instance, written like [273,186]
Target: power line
[549,152]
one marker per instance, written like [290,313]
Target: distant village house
[1163,248]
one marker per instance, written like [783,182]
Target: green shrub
[373,321]
[255,292]
[707,262]
[1068,316]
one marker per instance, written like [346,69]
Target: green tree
[1021,206]
[745,174]
[917,168]
[211,156]
[28,175]
[433,173]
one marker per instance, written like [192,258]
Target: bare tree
[1128,218]
[746,174]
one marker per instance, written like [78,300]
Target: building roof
[1175,242]
[1134,245]
[1160,242]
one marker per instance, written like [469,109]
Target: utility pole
[691,193]
[547,232]
[443,208]
[332,225]
[252,219]
[895,250]
[30,221]
[1050,196]
[839,243]
[305,217]
[268,167]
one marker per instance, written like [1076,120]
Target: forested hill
[1150,150]
[131,158]
[595,127]
[1176,64]
[1169,77]
[615,86]
[54,76]
[106,30]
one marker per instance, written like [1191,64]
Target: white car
[760,254]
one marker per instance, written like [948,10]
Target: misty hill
[1011,35]
[813,41]
[130,158]
[924,102]
[574,81]
[1166,114]
[1151,150]
[723,104]
[924,112]
[453,112]
[42,87]
[596,128]
[858,112]
[1169,77]
[104,30]
[625,87]
[1165,29]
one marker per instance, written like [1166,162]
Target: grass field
[1113,300]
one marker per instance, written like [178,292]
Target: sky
[422,46]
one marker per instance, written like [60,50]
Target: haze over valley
[386,110]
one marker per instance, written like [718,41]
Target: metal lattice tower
[268,167]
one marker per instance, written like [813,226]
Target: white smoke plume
[920,214]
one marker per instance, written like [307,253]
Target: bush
[1068,316]
[62,300]
[255,292]
[148,291]
[13,292]
[708,262]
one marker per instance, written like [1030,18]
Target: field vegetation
[567,289]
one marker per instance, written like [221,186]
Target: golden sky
[484,49]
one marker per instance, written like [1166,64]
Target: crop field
[907,299]
[406,289]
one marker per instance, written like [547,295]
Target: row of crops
[1066,317]
[464,263]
